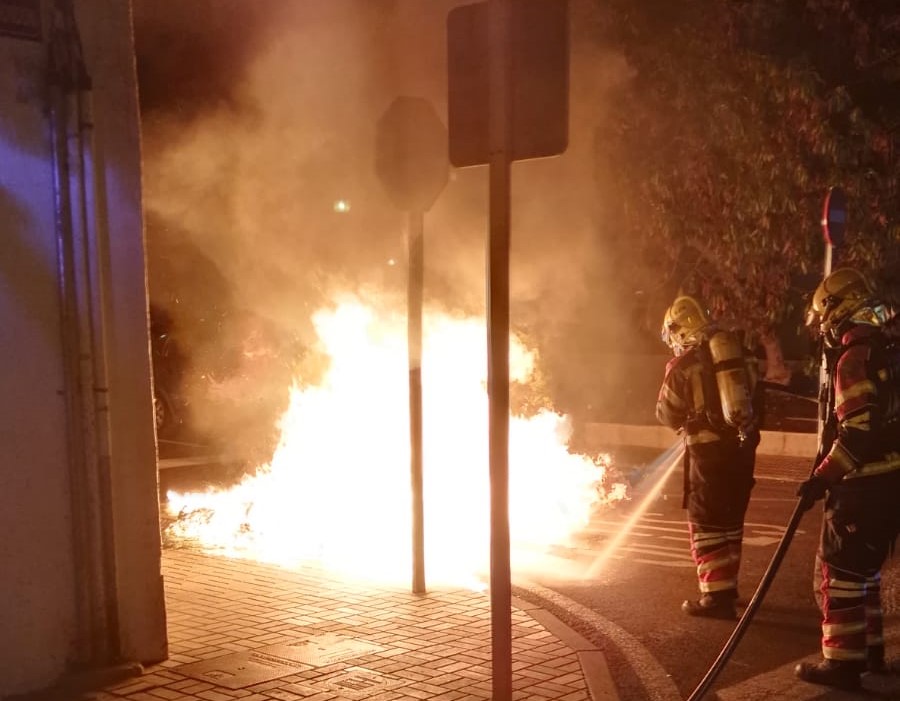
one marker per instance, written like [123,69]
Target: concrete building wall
[36,586]
[106,31]
[41,629]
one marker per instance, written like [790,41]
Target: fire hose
[801,508]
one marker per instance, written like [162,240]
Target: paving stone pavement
[243,630]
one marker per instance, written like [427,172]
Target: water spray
[655,479]
[652,483]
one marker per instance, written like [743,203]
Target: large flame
[337,491]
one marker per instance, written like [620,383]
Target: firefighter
[859,476]
[709,394]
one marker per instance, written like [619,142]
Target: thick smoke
[260,116]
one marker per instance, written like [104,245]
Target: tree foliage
[739,118]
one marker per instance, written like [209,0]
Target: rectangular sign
[539,80]
[21,19]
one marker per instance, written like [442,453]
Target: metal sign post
[834,228]
[498,345]
[516,109]
[414,291]
[411,160]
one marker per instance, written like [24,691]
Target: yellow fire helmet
[841,297]
[684,323]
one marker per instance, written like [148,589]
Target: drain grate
[353,683]
[322,650]
[241,669]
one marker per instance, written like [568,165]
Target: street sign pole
[416,243]
[523,44]
[834,225]
[411,161]
[498,343]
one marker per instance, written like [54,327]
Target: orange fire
[337,491]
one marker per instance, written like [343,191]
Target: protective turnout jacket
[865,382]
[688,399]
[862,518]
[718,468]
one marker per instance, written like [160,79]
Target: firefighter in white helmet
[710,394]
[858,472]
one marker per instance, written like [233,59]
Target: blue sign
[834,217]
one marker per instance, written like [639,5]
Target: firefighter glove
[812,490]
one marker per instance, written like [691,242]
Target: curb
[597,677]
[656,682]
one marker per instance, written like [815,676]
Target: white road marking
[664,542]
[761,541]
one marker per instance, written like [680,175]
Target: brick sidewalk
[241,630]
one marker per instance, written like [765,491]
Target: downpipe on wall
[81,265]
[98,275]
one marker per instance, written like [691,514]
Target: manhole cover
[241,669]
[322,650]
[352,683]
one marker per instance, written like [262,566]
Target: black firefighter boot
[839,674]
[718,604]
[876,664]
[875,660]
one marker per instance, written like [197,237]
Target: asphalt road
[638,592]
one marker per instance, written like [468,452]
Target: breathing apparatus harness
[727,393]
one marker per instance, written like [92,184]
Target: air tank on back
[731,379]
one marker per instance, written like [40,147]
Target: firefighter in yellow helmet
[859,474]
[710,395]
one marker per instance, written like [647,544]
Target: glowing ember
[337,491]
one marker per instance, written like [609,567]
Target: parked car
[221,381]
[169,367]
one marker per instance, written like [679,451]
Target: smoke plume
[262,200]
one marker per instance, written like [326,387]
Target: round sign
[411,153]
[834,216]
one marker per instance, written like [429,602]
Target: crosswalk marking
[659,541]
[760,541]
[665,563]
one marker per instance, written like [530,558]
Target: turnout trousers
[859,527]
[718,482]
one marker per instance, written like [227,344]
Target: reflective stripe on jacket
[864,392]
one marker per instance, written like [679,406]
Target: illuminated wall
[48,552]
